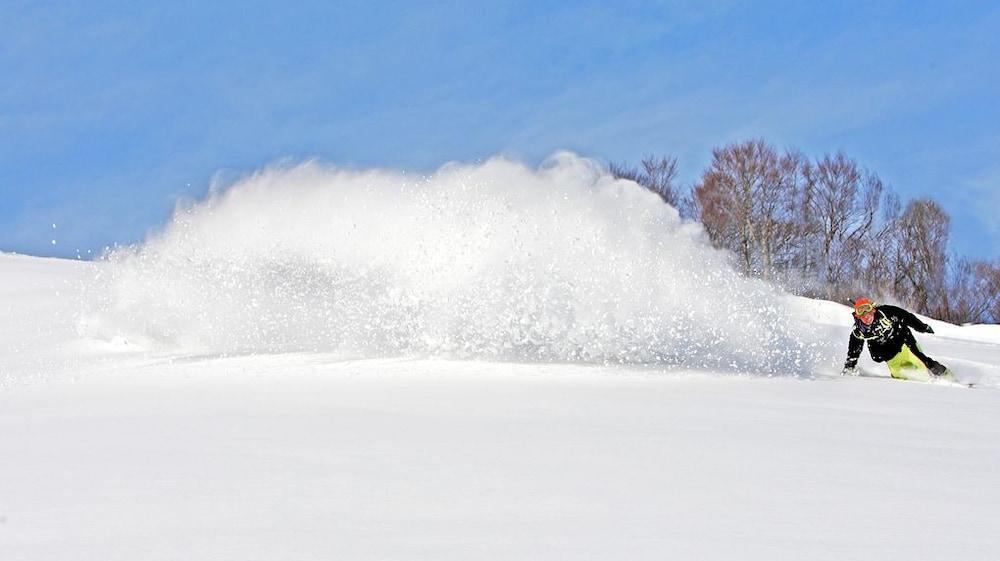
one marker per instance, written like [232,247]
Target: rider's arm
[853,350]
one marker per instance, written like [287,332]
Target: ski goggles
[864,309]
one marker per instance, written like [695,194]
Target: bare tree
[972,292]
[747,201]
[923,259]
[879,274]
[990,278]
[656,173]
[843,203]
[828,228]
[622,170]
[660,176]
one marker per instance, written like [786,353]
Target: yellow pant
[906,366]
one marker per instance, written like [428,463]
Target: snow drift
[494,260]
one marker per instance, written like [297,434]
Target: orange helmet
[863,306]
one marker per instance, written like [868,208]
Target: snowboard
[921,376]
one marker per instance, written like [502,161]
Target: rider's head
[864,310]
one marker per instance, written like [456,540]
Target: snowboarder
[887,331]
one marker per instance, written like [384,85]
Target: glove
[928,329]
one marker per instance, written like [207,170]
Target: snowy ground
[107,453]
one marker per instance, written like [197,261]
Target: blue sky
[112,111]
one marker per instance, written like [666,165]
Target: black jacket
[886,335]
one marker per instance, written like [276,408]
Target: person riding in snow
[887,330]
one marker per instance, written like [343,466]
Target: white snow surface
[462,386]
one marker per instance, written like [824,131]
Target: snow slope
[115,454]
[174,403]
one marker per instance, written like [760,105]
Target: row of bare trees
[827,228]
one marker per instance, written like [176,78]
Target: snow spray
[494,261]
